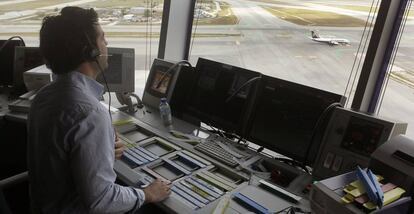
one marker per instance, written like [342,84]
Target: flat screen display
[26,58]
[113,73]
[285,115]
[218,98]
[32,59]
[7,61]
[120,73]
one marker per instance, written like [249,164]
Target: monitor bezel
[152,97]
[19,66]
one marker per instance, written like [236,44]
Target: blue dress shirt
[71,151]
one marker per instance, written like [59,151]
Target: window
[127,23]
[398,100]
[275,37]
[311,43]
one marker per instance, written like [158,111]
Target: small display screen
[160,81]
[362,136]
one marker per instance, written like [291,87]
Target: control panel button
[337,163]
[328,160]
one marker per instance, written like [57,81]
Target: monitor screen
[159,81]
[362,136]
[218,98]
[120,74]
[7,61]
[25,59]
[285,115]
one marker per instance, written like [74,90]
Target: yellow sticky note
[393,195]
[347,199]
[389,197]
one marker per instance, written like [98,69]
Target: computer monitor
[7,61]
[172,81]
[159,83]
[285,115]
[25,58]
[120,74]
[218,98]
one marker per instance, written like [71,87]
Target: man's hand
[119,147]
[157,191]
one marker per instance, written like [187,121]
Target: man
[71,148]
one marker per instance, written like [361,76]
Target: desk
[13,140]
[151,122]
[176,203]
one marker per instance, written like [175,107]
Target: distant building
[128,17]
[203,14]
[137,10]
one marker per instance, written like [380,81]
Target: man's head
[72,38]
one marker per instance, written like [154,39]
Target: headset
[90,51]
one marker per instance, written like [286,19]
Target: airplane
[329,40]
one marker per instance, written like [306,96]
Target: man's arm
[92,157]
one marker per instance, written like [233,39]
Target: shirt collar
[79,79]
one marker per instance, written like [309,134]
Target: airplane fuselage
[332,41]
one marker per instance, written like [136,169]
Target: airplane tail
[314,34]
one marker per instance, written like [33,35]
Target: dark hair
[64,38]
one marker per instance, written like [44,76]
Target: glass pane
[127,23]
[398,101]
[275,37]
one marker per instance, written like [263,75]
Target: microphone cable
[321,119]
[8,41]
[241,87]
[106,84]
[170,69]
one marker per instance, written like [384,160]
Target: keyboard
[213,150]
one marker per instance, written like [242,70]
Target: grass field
[274,2]
[98,3]
[356,8]
[30,5]
[366,9]
[224,17]
[122,3]
[125,34]
[314,18]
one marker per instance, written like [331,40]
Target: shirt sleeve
[92,157]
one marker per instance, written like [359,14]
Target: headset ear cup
[94,53]
[90,53]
